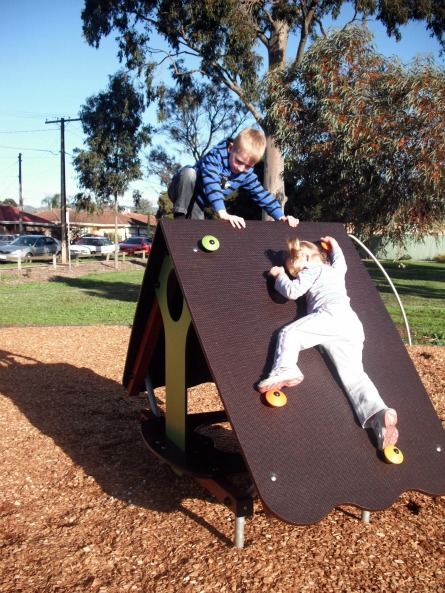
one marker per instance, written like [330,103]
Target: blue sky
[48,70]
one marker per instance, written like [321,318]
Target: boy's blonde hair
[252,142]
[297,248]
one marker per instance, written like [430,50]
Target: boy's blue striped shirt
[215,180]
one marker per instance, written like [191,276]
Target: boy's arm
[235,221]
[212,169]
[211,173]
[266,200]
[262,197]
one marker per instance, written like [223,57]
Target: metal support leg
[366,516]
[252,491]
[152,398]
[239,531]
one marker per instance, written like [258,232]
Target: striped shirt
[322,284]
[215,180]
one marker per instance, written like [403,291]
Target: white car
[88,245]
[6,239]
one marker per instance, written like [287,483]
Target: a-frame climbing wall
[206,315]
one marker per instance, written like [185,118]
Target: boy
[331,323]
[224,169]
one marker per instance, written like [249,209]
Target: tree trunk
[274,160]
[273,174]
[116,238]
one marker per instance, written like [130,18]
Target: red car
[133,244]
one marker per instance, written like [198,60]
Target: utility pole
[64,234]
[20,196]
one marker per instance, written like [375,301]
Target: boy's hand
[276,271]
[291,221]
[235,221]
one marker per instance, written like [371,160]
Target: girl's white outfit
[330,323]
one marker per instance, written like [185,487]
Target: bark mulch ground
[85,507]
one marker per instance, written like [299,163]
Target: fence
[54,262]
[423,250]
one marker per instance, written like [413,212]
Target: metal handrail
[390,283]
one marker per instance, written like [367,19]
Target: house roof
[134,219]
[11,215]
[104,218]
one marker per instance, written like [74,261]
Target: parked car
[88,245]
[6,239]
[87,237]
[133,244]
[29,246]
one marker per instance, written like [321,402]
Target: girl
[331,323]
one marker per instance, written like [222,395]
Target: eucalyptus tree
[164,206]
[233,42]
[364,137]
[112,121]
[52,202]
[193,120]
[141,205]
[200,116]
[9,202]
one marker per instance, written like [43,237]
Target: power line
[26,114]
[33,149]
[22,131]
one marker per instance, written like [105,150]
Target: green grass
[421,288]
[95,299]
[110,298]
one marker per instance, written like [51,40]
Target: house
[32,224]
[83,223]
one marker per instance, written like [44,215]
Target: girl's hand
[276,271]
[330,241]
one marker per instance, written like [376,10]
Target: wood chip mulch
[85,507]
